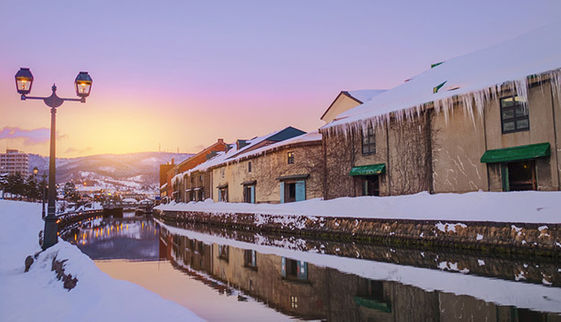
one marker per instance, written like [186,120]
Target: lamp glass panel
[83,88]
[23,84]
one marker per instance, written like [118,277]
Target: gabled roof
[297,140]
[287,133]
[360,96]
[281,135]
[475,77]
[364,95]
[255,143]
[204,151]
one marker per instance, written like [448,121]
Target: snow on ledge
[525,207]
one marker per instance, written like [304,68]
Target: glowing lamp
[24,80]
[83,84]
[35,171]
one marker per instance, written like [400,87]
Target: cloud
[78,151]
[30,137]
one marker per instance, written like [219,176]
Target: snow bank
[526,206]
[38,295]
[502,292]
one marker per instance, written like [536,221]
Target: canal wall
[537,270]
[487,237]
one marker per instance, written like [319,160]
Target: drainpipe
[555,135]
[485,139]
[353,160]
[388,157]
[429,150]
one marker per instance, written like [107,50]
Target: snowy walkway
[523,207]
[38,295]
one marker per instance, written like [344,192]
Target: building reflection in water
[292,286]
[307,291]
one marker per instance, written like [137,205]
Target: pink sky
[180,74]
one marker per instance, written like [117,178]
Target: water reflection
[308,284]
[108,238]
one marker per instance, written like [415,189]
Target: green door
[504,177]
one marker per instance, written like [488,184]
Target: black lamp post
[83,83]
[43,188]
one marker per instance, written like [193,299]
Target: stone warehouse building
[172,187]
[286,171]
[489,120]
[283,166]
[486,121]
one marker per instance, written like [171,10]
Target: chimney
[241,143]
[220,141]
[172,161]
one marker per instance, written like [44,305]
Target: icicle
[556,85]
[480,98]
[521,89]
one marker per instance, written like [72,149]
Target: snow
[304,138]
[502,292]
[478,77]
[364,95]
[449,227]
[233,154]
[524,207]
[37,295]
[108,169]
[129,200]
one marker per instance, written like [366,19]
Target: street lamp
[83,83]
[35,171]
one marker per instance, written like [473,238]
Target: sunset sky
[180,74]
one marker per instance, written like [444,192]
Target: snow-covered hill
[135,170]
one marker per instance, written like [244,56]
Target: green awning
[373,304]
[368,170]
[523,152]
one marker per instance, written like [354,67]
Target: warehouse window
[368,142]
[514,114]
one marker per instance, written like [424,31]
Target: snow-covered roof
[304,138]
[364,95]
[475,77]
[233,153]
[129,200]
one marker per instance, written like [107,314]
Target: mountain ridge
[141,167]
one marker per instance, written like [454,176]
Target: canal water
[226,275]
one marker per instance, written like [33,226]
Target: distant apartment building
[14,161]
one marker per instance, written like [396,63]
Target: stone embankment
[487,237]
[72,218]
